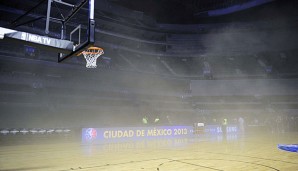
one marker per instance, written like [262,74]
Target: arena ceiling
[168,11]
[196,11]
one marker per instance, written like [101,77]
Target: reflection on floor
[234,152]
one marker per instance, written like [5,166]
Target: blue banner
[134,133]
[100,135]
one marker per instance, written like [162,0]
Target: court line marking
[251,157]
[237,161]
[116,164]
[206,167]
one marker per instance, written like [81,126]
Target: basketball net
[91,55]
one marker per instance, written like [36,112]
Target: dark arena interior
[148,85]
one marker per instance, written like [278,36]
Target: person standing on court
[224,127]
[145,120]
[241,124]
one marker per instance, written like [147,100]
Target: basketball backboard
[80,29]
[68,26]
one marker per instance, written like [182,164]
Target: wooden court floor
[249,152]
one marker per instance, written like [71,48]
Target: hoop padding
[91,55]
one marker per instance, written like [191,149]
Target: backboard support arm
[75,9]
[48,17]
[28,12]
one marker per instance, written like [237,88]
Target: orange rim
[92,48]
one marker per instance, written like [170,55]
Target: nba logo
[90,134]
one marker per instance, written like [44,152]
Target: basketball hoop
[91,55]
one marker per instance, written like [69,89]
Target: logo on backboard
[91,134]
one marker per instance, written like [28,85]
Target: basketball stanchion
[91,55]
